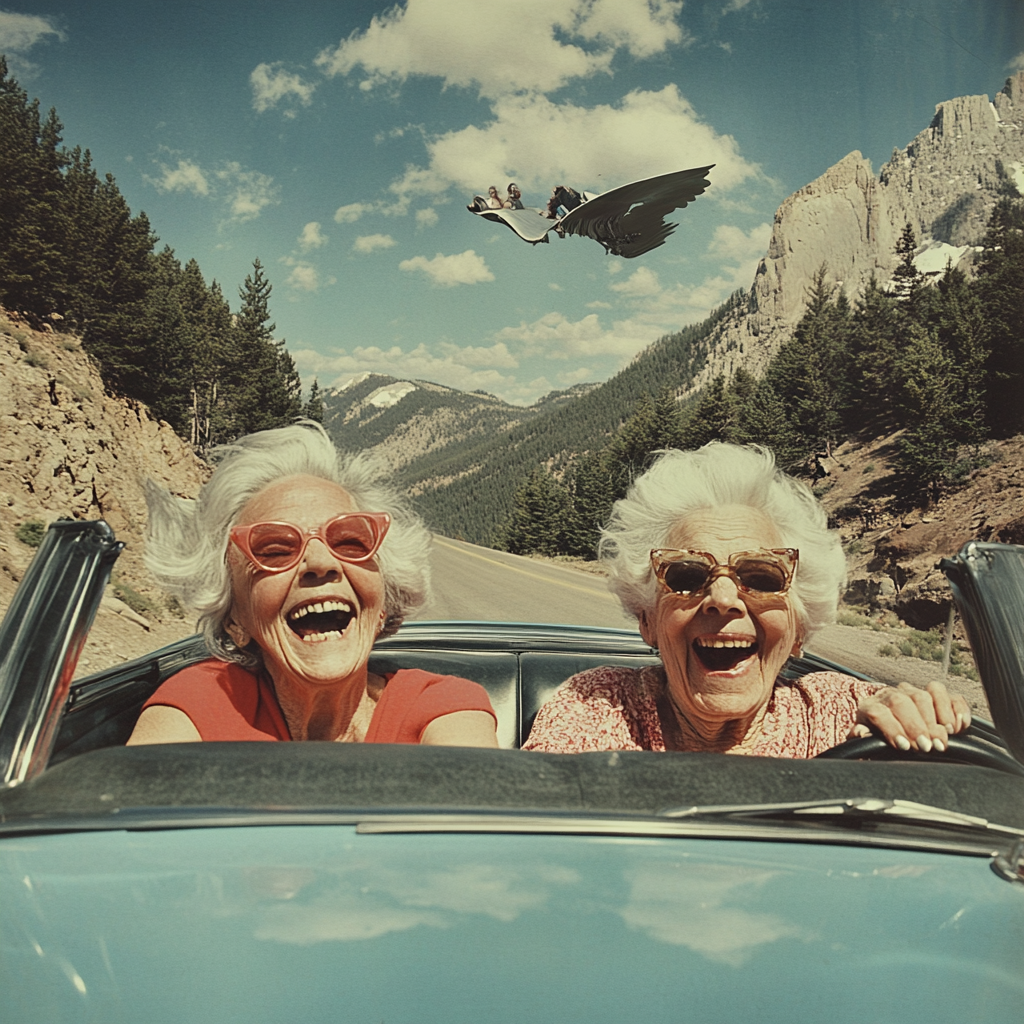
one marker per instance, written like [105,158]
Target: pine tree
[31,261]
[314,408]
[538,517]
[764,420]
[906,278]
[877,326]
[713,419]
[1000,287]
[810,372]
[265,390]
[592,492]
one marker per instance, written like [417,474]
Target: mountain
[944,184]
[406,423]
[464,472]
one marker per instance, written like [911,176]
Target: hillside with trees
[74,257]
[940,368]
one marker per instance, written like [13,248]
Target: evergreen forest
[74,258]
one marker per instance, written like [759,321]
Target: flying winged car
[628,221]
[269,882]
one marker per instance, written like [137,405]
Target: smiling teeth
[318,609]
[709,642]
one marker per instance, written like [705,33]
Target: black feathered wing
[630,220]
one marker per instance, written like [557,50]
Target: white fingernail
[939,746]
[924,744]
[902,742]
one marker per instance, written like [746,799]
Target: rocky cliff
[67,449]
[944,184]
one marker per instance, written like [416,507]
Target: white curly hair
[187,540]
[680,483]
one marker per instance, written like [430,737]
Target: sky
[339,143]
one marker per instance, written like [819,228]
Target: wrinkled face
[314,623]
[722,649]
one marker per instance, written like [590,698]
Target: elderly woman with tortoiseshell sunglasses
[296,559]
[729,567]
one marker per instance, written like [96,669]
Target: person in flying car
[729,567]
[515,197]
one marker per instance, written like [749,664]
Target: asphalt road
[472,582]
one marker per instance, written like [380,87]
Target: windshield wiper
[855,809]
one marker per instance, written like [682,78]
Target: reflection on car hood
[322,924]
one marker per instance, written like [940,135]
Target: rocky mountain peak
[944,184]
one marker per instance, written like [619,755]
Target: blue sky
[340,141]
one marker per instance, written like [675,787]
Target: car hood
[323,923]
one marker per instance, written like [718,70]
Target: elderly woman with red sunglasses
[729,567]
[296,559]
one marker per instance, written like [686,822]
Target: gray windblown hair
[186,542]
[680,483]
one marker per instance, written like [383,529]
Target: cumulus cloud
[554,42]
[599,147]
[366,244]
[351,213]
[312,237]
[486,368]
[271,84]
[245,193]
[19,33]
[556,337]
[733,243]
[188,176]
[642,282]
[1017,64]
[426,218]
[249,192]
[304,277]
[447,271]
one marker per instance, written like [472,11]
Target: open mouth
[320,620]
[717,654]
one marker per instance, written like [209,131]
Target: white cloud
[371,243]
[426,218]
[304,276]
[734,5]
[249,192]
[1017,64]
[642,282]
[246,193]
[430,38]
[598,304]
[312,237]
[599,147]
[556,337]
[271,84]
[447,271]
[469,369]
[734,243]
[18,34]
[188,176]
[351,213]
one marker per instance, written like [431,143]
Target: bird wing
[529,224]
[630,220]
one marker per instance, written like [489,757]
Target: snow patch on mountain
[390,394]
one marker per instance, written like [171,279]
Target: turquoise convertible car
[316,882]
